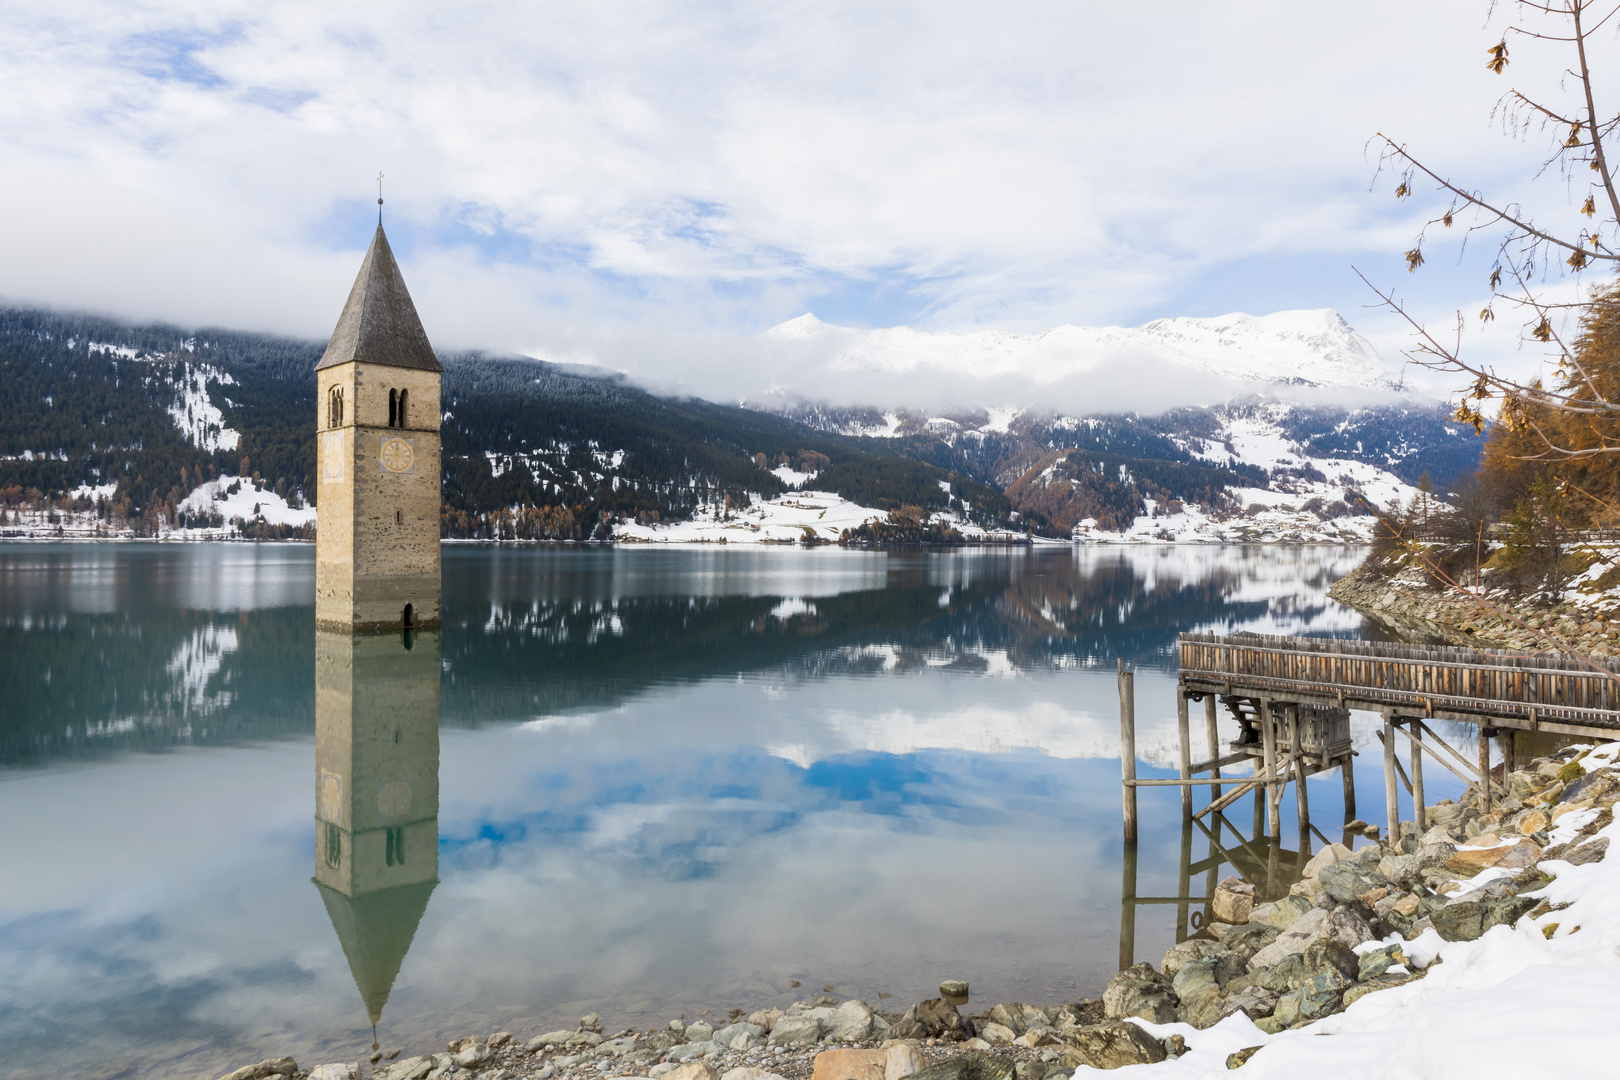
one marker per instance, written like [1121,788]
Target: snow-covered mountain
[1288,348]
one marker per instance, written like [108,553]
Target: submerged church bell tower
[377,537]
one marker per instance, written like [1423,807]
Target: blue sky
[620,181]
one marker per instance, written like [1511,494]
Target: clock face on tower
[397,455]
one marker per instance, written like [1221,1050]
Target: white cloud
[562,174]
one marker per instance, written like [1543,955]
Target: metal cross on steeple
[379,196]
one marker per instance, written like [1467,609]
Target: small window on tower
[399,517]
[402,395]
[334,407]
[393,407]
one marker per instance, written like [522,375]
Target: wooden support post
[1127,907]
[1505,741]
[1347,770]
[1184,892]
[1259,829]
[1484,769]
[1214,742]
[1420,812]
[1268,745]
[1392,793]
[1127,749]
[1302,803]
[1186,756]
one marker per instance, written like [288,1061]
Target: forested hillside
[530,450]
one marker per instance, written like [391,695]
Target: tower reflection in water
[376,796]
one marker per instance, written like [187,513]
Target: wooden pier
[1291,698]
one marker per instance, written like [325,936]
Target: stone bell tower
[377,455]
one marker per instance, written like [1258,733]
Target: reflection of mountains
[556,654]
[83,684]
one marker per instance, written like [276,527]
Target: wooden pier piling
[1127,751]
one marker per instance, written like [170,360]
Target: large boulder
[902,1060]
[1203,951]
[411,1068]
[1019,1017]
[1466,920]
[1331,954]
[795,1031]
[850,1022]
[1329,855]
[973,1065]
[1347,879]
[1284,913]
[265,1069]
[1116,1044]
[693,1070]
[850,1065]
[748,1034]
[931,1019]
[1140,991]
[1233,900]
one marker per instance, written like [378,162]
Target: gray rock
[1346,880]
[953,988]
[727,1035]
[269,1067]
[411,1068]
[1331,954]
[1370,965]
[1379,982]
[1281,977]
[699,1032]
[1246,940]
[1218,954]
[973,1065]
[934,1018]
[1466,920]
[473,1055]
[1194,978]
[1140,991]
[1286,1011]
[795,1031]
[336,1071]
[1589,852]
[1255,1001]
[1400,870]
[1348,927]
[1293,940]
[1202,1007]
[688,1051]
[1285,912]
[850,1022]
[1115,1045]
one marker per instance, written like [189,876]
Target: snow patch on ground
[194,412]
[247,504]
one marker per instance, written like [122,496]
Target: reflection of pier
[376,796]
[1261,861]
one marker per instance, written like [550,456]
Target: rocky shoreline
[1410,603]
[1357,922]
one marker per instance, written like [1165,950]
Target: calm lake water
[637,782]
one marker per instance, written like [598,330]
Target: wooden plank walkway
[1494,688]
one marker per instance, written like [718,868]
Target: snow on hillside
[247,503]
[214,510]
[194,412]
[1296,348]
[785,519]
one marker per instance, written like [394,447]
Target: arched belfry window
[402,395]
[334,407]
[393,408]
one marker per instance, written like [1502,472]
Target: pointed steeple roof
[379,324]
[376,930]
